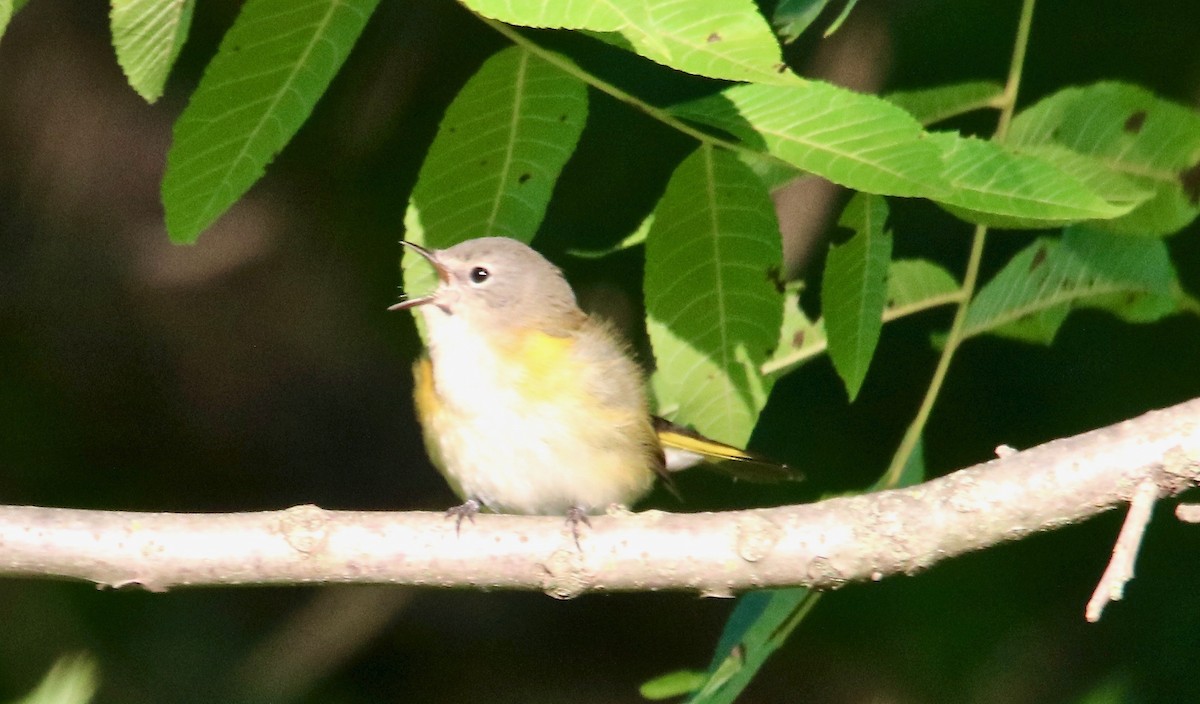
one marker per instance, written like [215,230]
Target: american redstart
[528,405]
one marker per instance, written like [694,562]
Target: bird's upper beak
[443,276]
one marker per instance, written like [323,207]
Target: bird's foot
[467,509]
[575,516]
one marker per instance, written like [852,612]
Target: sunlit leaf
[272,67]
[147,35]
[713,258]
[498,152]
[6,13]
[728,39]
[1128,131]
[672,684]
[993,186]
[854,289]
[855,140]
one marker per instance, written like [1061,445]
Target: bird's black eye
[479,275]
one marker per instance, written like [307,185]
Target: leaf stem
[955,337]
[664,116]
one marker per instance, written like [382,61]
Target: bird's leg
[467,509]
[575,516]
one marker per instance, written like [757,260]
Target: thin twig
[1124,554]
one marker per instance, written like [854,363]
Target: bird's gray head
[498,282]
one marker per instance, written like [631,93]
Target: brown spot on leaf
[798,339]
[1038,258]
[1190,180]
[1135,122]
[781,68]
[524,177]
[713,38]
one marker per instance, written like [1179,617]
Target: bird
[528,405]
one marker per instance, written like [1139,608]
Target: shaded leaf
[800,339]
[914,285]
[758,626]
[1031,296]
[498,152]
[858,141]
[714,311]
[854,289]
[792,17]
[72,680]
[147,35]
[932,105]
[272,67]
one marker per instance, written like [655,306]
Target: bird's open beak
[443,276]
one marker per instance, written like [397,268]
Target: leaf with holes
[1126,131]
[496,157]
[859,141]
[148,35]
[728,39]
[1031,296]
[854,289]
[713,303]
[272,67]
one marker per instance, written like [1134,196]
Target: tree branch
[821,545]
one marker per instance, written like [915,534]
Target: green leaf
[498,152]
[915,285]
[270,70]
[841,18]
[854,289]
[6,13]
[931,105]
[859,141]
[1031,296]
[148,35]
[992,186]
[633,239]
[800,338]
[713,256]
[672,684]
[72,680]
[792,17]
[758,626]
[726,39]
[1125,130]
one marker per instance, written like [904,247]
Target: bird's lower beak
[442,274]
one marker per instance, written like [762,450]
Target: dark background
[259,369]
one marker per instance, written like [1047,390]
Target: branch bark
[821,545]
